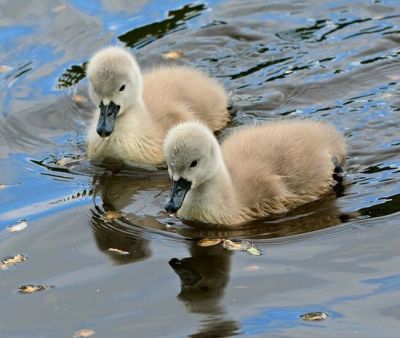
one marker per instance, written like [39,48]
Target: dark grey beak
[178,193]
[106,123]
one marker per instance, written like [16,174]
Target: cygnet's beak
[107,117]
[178,193]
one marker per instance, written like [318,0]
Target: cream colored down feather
[256,172]
[150,105]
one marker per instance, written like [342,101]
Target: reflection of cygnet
[204,277]
[257,171]
[135,111]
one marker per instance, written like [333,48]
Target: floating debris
[230,245]
[209,242]
[11,261]
[112,215]
[314,316]
[241,246]
[64,161]
[172,55]
[30,288]
[118,251]
[4,69]
[18,227]
[84,333]
[79,99]
[3,186]
[253,251]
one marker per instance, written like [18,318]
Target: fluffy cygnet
[256,172]
[135,110]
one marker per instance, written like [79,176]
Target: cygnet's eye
[122,88]
[193,164]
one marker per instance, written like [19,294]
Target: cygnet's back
[177,93]
[289,160]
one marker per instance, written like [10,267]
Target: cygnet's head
[193,156]
[115,84]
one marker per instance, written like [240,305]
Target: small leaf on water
[254,251]
[30,288]
[172,55]
[209,242]
[112,215]
[4,69]
[11,261]
[79,99]
[242,246]
[18,227]
[118,251]
[84,333]
[314,316]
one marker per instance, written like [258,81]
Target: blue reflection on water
[9,35]
[279,319]
[34,194]
[120,22]
[385,284]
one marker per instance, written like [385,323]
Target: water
[336,61]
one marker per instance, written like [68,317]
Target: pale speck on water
[22,225]
[84,333]
[4,69]
[9,262]
[172,55]
[118,251]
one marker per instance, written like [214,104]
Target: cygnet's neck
[137,111]
[137,107]
[213,200]
[220,185]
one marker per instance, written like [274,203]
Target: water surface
[336,61]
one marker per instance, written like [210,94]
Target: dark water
[336,61]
